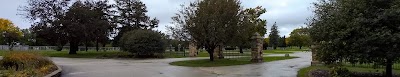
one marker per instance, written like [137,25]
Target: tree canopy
[10,34]
[299,37]
[211,22]
[132,16]
[59,24]
[249,23]
[358,31]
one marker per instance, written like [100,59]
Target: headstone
[256,49]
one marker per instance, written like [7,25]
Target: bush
[23,64]
[339,72]
[327,73]
[143,43]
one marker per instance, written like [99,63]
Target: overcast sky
[288,14]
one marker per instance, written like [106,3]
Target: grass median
[224,62]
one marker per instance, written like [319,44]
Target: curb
[56,73]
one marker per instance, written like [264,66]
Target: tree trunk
[104,45]
[274,47]
[97,46]
[11,46]
[240,49]
[59,47]
[300,47]
[211,53]
[86,46]
[73,47]
[389,64]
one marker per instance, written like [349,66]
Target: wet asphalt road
[78,67]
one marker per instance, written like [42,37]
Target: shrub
[143,43]
[339,72]
[23,64]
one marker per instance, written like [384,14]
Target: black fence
[396,66]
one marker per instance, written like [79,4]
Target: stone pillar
[314,52]
[218,53]
[192,49]
[256,49]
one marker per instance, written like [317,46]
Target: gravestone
[256,49]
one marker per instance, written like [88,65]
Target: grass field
[223,62]
[81,54]
[287,50]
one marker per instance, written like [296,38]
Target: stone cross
[256,49]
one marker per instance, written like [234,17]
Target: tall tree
[300,37]
[359,31]
[250,23]
[45,15]
[178,32]
[132,15]
[274,36]
[10,34]
[100,31]
[282,41]
[85,22]
[213,22]
[28,37]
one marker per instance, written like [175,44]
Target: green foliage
[300,37]
[132,16]
[9,33]
[250,23]
[274,36]
[86,22]
[211,22]
[143,43]
[337,71]
[46,15]
[357,31]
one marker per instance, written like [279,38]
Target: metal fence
[396,66]
[47,48]
[228,54]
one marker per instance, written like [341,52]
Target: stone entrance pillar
[314,52]
[218,52]
[192,49]
[256,49]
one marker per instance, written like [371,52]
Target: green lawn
[223,62]
[81,54]
[304,71]
[287,50]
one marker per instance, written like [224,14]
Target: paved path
[78,67]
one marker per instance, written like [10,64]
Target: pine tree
[273,36]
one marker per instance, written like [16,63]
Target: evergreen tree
[132,16]
[273,36]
